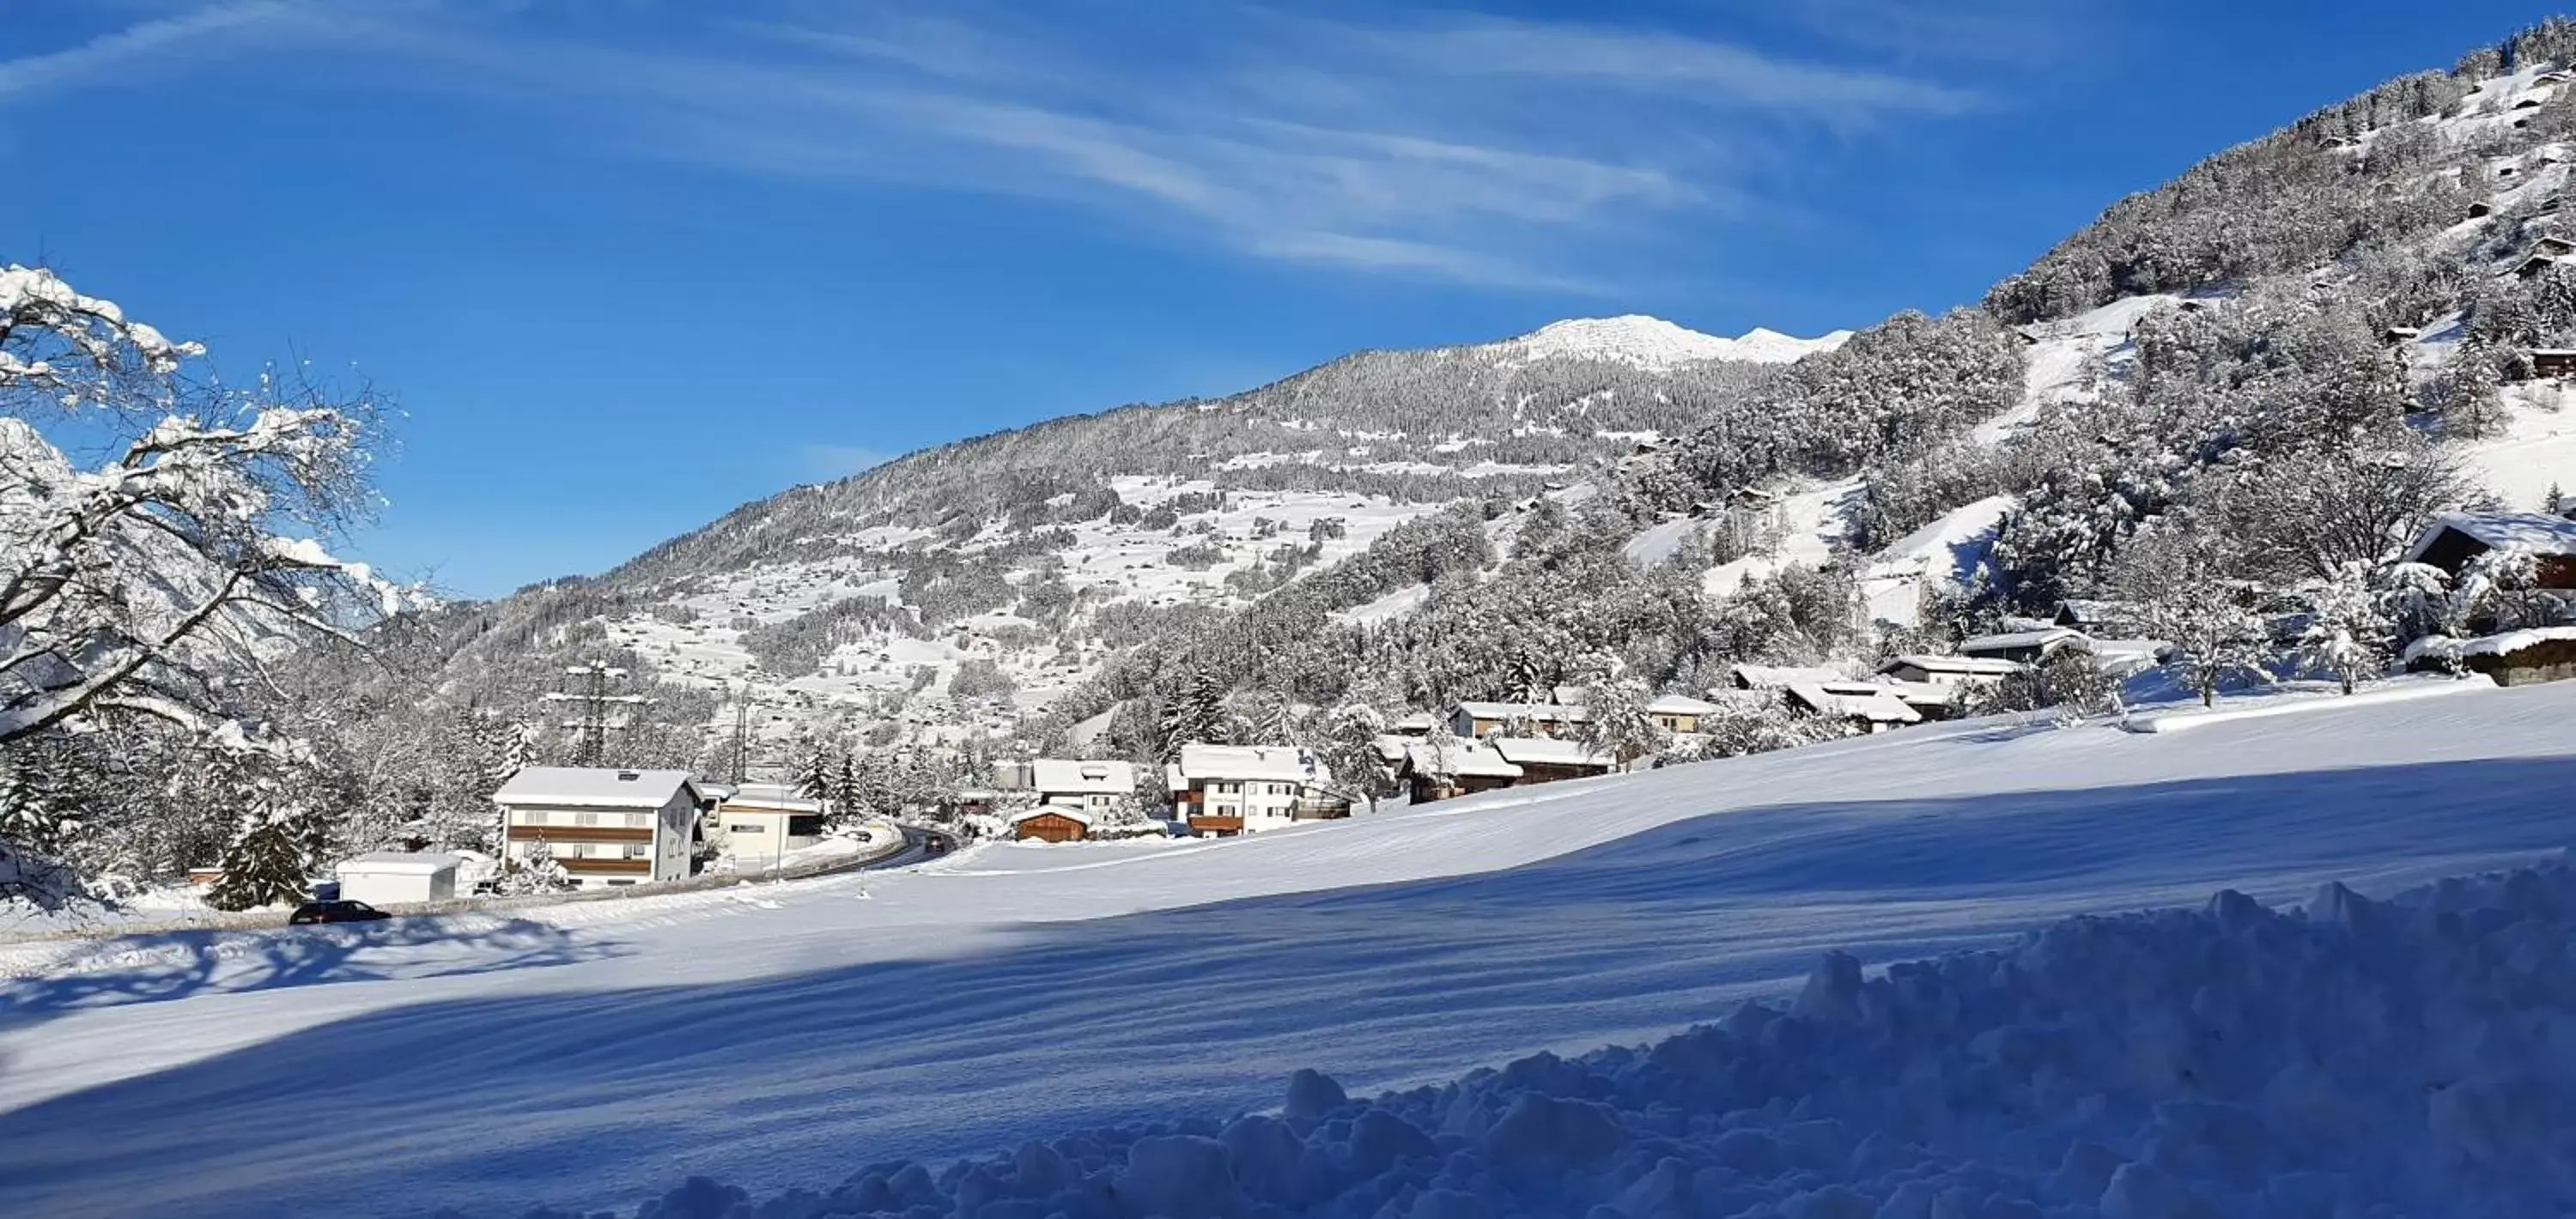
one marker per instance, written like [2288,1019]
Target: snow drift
[2353,1057]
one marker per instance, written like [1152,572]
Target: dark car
[334,912]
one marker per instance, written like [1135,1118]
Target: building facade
[606,827]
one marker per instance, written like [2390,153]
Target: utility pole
[596,709]
[741,740]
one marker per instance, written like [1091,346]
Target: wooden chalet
[1865,706]
[1224,790]
[1949,670]
[1051,823]
[2454,539]
[1442,769]
[2019,647]
[2553,362]
[1679,712]
[1546,760]
[1482,719]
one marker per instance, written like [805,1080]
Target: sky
[624,265]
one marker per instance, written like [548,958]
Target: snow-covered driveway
[1017,991]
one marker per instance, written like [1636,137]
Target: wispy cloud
[1473,148]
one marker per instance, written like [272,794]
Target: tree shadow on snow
[181,964]
[497,1104]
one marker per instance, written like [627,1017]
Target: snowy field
[1025,993]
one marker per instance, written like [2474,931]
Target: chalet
[1439,770]
[1864,705]
[606,827]
[1224,790]
[1949,670]
[1546,760]
[1416,724]
[2020,647]
[2531,267]
[1098,786]
[1934,701]
[2096,617]
[1051,823]
[1478,719]
[2526,103]
[1679,712]
[2513,658]
[2455,538]
[757,824]
[2342,142]
[2552,77]
[2394,335]
[2480,208]
[2553,361]
[1780,677]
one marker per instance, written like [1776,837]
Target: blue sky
[627,264]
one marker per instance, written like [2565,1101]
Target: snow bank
[2352,1057]
[2296,700]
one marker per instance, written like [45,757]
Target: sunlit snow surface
[1022,993]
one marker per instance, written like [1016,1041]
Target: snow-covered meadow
[1021,993]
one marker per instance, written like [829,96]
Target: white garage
[382,878]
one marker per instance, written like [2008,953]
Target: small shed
[2514,658]
[2553,361]
[2453,539]
[1052,823]
[385,878]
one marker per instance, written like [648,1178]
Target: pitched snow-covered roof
[400,863]
[2504,644]
[1413,724]
[1548,751]
[1066,811]
[1967,666]
[1780,677]
[2038,637]
[1679,704]
[596,786]
[2537,532]
[1256,763]
[1542,712]
[778,797]
[1459,758]
[2078,610]
[1069,777]
[1916,694]
[1877,706]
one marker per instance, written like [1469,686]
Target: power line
[597,708]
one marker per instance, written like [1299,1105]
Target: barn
[2514,658]
[1051,823]
[2454,539]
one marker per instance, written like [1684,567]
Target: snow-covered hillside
[808,1030]
[1653,343]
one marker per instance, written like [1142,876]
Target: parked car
[334,912]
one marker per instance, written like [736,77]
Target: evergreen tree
[264,866]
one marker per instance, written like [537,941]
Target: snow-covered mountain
[1653,343]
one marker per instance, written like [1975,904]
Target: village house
[2020,647]
[1548,760]
[1864,705]
[605,826]
[2553,362]
[1480,719]
[2452,540]
[2096,617]
[1051,823]
[1099,787]
[1439,770]
[1679,713]
[756,824]
[1224,790]
[1948,670]
[1774,678]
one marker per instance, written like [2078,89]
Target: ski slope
[1019,992]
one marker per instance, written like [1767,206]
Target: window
[585,818]
[639,850]
[639,821]
[617,884]
[745,827]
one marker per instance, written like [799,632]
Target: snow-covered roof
[1460,758]
[1967,666]
[2504,644]
[1876,706]
[1544,712]
[400,863]
[1414,723]
[598,786]
[1679,704]
[2537,532]
[2036,638]
[778,797]
[1068,777]
[1257,763]
[1780,677]
[1066,811]
[1917,694]
[2091,610]
[1548,751]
